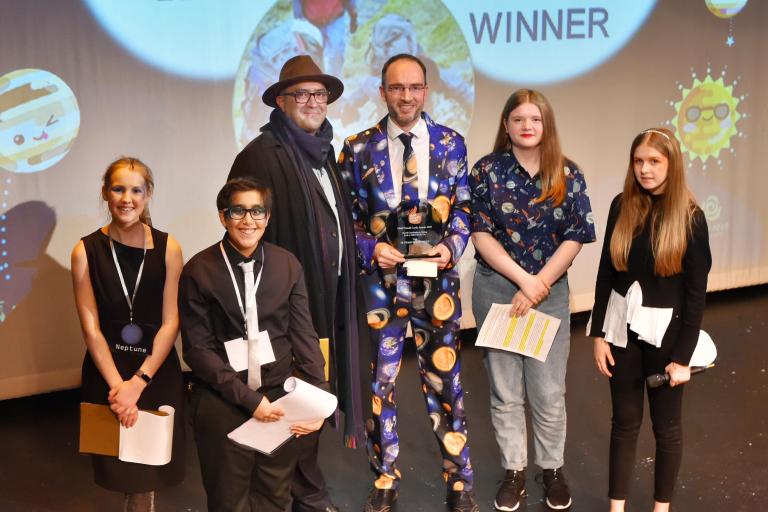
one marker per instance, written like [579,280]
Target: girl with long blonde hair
[125,276]
[649,302]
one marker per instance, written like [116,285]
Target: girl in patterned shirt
[530,216]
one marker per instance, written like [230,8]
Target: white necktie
[252,323]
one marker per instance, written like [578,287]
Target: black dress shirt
[210,316]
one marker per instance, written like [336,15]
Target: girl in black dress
[125,277]
[649,302]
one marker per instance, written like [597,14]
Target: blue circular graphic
[203,39]
[547,40]
[131,334]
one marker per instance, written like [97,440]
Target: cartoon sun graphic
[706,116]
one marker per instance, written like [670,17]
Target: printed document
[530,335]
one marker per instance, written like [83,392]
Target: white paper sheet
[237,352]
[649,323]
[420,268]
[530,335]
[304,402]
[150,440]
[705,352]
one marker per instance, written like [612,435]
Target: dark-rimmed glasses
[301,96]
[400,89]
[238,212]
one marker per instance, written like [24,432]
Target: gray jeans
[514,378]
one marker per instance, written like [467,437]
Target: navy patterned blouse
[503,195]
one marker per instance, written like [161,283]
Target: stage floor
[725,463]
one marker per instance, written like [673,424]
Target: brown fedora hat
[302,68]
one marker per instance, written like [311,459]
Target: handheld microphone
[659,379]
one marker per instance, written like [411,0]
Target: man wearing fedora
[312,219]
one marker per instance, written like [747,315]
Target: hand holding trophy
[415,228]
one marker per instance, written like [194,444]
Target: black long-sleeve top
[209,315]
[684,292]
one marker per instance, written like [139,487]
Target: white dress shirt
[420,144]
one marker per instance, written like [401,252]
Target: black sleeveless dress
[167,384]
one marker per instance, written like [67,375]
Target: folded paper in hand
[304,402]
[149,441]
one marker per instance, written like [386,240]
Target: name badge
[132,338]
[237,351]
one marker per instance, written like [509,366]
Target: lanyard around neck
[237,289]
[130,300]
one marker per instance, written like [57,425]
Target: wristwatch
[143,376]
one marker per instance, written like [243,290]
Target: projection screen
[178,83]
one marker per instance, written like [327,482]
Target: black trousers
[237,479]
[633,364]
[309,491]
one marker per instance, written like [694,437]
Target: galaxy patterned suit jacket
[364,164]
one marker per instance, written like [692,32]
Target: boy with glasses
[242,288]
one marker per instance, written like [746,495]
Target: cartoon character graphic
[706,117]
[39,120]
[726,9]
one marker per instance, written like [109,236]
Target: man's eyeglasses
[238,212]
[399,90]
[301,96]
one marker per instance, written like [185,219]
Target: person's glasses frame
[399,89]
[301,96]
[239,212]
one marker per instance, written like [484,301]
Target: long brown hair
[551,159]
[670,215]
[134,164]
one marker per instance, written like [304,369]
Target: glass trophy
[413,228]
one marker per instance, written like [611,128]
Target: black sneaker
[511,490]
[462,501]
[380,500]
[556,489]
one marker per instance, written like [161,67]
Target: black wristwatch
[143,376]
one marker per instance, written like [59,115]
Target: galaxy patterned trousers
[438,349]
